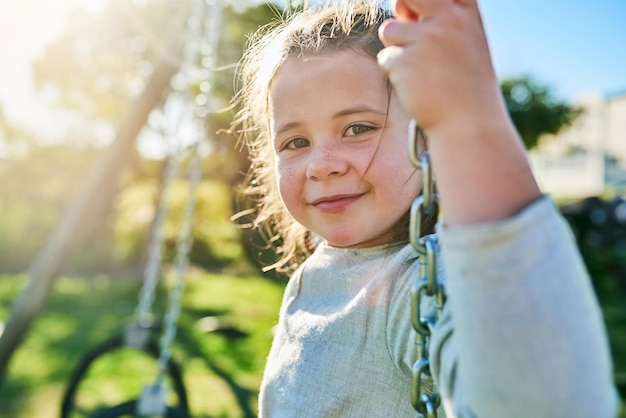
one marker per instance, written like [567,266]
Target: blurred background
[108,108]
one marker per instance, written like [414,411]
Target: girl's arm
[523,335]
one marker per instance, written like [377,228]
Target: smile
[335,204]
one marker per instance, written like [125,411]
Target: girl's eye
[296,143]
[358,129]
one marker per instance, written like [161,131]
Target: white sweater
[521,334]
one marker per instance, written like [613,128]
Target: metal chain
[175,112]
[206,36]
[195,81]
[182,262]
[143,314]
[425,396]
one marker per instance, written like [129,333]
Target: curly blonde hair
[323,29]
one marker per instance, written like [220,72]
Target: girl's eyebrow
[287,126]
[357,110]
[342,113]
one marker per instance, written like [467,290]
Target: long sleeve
[522,333]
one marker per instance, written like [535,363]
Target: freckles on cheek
[285,178]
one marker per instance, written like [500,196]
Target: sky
[573,46]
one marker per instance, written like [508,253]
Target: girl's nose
[325,162]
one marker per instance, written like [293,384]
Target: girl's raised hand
[438,59]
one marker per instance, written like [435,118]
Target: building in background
[589,157]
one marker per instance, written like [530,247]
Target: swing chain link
[425,396]
[204,27]
[196,72]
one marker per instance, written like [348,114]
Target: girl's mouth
[336,203]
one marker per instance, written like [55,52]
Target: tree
[534,110]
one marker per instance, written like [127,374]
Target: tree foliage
[534,110]
[100,61]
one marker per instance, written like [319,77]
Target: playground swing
[141,333]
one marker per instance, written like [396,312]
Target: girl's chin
[342,242]
[356,243]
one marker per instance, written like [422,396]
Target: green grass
[222,368]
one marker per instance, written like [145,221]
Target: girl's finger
[415,9]
[396,32]
[387,58]
[403,11]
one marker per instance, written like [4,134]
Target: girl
[325,110]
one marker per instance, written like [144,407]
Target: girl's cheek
[364,158]
[286,174]
[281,168]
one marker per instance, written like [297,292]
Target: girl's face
[340,145]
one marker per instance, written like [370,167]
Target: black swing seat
[150,347]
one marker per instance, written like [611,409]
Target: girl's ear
[405,10]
